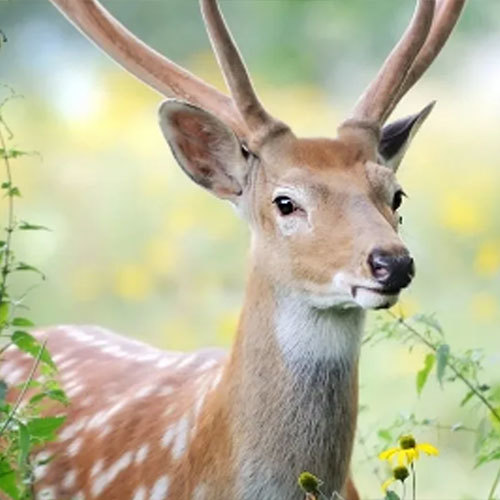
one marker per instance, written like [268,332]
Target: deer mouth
[375,298]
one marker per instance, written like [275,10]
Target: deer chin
[373,298]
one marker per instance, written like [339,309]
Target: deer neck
[294,372]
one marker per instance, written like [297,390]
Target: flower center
[400,473]
[406,442]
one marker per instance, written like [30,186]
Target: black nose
[393,270]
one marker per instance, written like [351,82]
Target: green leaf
[12,153]
[423,374]
[44,428]
[3,391]
[430,321]
[22,266]
[14,191]
[26,226]
[483,430]
[54,394]
[24,444]
[29,344]
[391,495]
[22,322]
[8,481]
[466,399]
[489,457]
[4,312]
[442,356]
[6,185]
[385,435]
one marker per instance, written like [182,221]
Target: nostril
[393,271]
[380,265]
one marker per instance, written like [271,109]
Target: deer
[325,249]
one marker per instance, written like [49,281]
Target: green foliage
[465,369]
[23,425]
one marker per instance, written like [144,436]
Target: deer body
[144,424]
[205,426]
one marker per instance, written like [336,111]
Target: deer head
[323,212]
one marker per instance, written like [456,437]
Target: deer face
[323,213]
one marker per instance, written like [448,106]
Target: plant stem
[10,220]
[24,389]
[452,367]
[414,481]
[494,486]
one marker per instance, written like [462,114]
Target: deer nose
[392,270]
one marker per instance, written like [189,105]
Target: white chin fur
[369,299]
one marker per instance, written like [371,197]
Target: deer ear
[397,136]
[206,149]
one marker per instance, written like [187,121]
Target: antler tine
[371,108]
[233,68]
[148,65]
[448,12]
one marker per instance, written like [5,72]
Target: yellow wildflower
[399,473]
[408,449]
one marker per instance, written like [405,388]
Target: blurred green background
[137,247]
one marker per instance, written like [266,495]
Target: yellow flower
[408,449]
[399,473]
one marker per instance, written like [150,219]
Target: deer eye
[285,205]
[398,199]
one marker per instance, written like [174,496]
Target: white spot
[145,391]
[105,431]
[97,468]
[69,479]
[78,496]
[140,493]
[207,365]
[148,357]
[14,376]
[141,454]
[74,447]
[105,478]
[87,401]
[166,391]
[200,492]
[41,468]
[79,335]
[187,361]
[168,437]
[63,365]
[181,438]
[70,431]
[67,376]
[100,343]
[201,394]
[160,489]
[166,361]
[216,380]
[100,418]
[74,391]
[48,493]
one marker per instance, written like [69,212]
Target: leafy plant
[23,426]
[450,367]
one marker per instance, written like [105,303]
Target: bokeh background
[135,246]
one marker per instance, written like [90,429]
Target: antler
[373,105]
[233,68]
[445,19]
[415,52]
[244,113]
